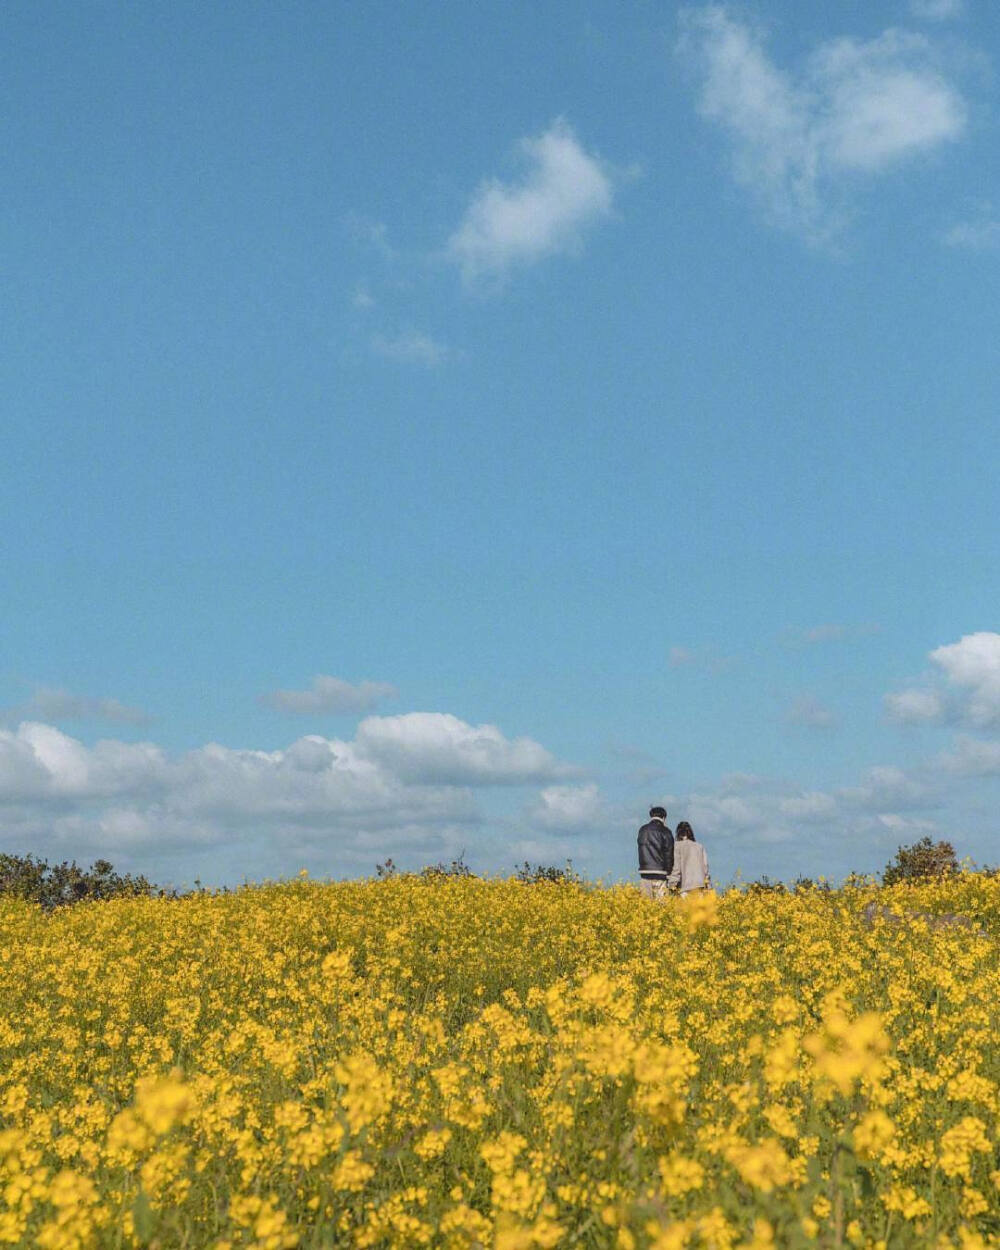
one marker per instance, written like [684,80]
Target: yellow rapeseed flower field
[467,1063]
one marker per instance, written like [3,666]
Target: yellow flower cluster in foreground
[467,1063]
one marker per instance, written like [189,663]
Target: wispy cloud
[974,757]
[330,695]
[57,704]
[411,347]
[699,657]
[362,297]
[810,713]
[981,235]
[564,191]
[937,10]
[915,707]
[816,634]
[371,234]
[798,136]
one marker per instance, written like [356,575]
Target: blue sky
[459,427]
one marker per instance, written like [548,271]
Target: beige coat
[690,865]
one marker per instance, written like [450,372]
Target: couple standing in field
[667,865]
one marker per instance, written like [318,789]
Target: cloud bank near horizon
[424,786]
[407,780]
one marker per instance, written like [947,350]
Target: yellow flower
[680,1175]
[501,1154]
[845,1050]
[433,1143]
[781,1121]
[959,1143]
[162,1102]
[874,1131]
[781,1066]
[700,909]
[352,1172]
[368,1089]
[762,1238]
[765,1166]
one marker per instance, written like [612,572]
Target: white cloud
[330,695]
[915,707]
[906,827]
[808,807]
[810,713]
[57,704]
[885,100]
[403,783]
[937,10]
[411,347]
[977,236]
[974,757]
[973,665]
[436,747]
[970,670]
[854,107]
[886,786]
[567,808]
[564,191]
[40,761]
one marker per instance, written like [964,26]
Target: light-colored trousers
[654,889]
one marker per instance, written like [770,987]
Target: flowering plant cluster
[465,1063]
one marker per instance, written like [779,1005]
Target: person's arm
[670,865]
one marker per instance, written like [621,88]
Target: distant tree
[921,860]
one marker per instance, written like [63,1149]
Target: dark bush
[457,868]
[536,874]
[766,886]
[58,885]
[432,872]
[921,860]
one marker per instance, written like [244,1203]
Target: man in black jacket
[656,854]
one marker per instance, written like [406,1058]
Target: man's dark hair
[684,832]
[658,811]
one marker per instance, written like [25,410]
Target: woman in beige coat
[690,861]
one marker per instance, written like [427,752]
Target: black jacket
[656,851]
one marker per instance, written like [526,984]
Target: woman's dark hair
[684,832]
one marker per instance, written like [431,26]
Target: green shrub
[923,859]
[58,885]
